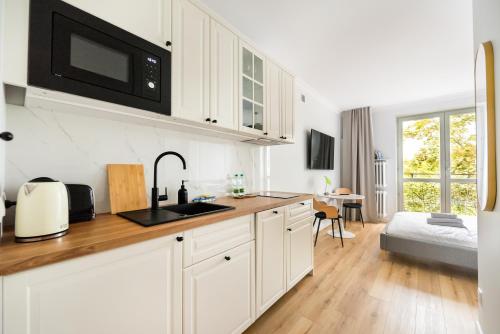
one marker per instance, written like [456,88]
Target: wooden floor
[362,289]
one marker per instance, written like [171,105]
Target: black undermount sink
[170,213]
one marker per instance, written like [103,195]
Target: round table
[339,202]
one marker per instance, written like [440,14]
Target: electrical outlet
[480,297]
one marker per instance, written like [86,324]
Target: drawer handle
[275,212]
[180,239]
[289,229]
[228,258]
[302,203]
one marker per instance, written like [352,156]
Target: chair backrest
[317,204]
[330,210]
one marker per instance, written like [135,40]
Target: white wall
[487,27]
[76,148]
[385,132]
[288,163]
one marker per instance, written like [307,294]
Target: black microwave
[75,52]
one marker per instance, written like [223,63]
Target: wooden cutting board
[127,187]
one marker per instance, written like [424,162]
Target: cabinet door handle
[302,203]
[6,135]
[289,229]
[207,119]
[168,43]
[265,133]
[228,258]
[275,212]
[214,121]
[179,239]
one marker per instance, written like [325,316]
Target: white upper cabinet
[288,106]
[270,251]
[129,290]
[190,62]
[149,19]
[252,90]
[273,123]
[223,76]
[280,117]
[14,48]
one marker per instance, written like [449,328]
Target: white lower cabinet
[270,252]
[299,251]
[232,273]
[129,290]
[219,293]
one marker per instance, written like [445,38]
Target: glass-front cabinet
[252,90]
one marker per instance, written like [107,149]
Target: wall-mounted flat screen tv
[321,151]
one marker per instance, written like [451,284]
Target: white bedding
[413,225]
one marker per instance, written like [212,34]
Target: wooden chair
[326,211]
[356,205]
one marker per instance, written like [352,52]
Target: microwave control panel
[151,77]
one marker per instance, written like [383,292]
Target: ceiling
[364,52]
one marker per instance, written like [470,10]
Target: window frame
[445,179]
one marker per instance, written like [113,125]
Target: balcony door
[437,162]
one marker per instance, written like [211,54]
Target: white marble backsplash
[76,148]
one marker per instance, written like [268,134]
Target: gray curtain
[358,165]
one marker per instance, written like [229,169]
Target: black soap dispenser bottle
[182,194]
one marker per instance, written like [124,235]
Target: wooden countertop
[109,231]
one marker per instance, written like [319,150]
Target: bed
[408,233]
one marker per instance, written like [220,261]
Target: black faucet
[155,198]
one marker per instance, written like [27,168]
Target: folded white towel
[446,222]
[449,225]
[443,215]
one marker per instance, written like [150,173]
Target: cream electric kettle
[42,210]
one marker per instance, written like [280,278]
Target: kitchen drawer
[207,241]
[299,211]
[264,215]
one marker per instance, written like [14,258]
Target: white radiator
[380,186]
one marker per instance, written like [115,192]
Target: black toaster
[81,203]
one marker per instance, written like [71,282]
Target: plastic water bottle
[235,185]
[241,185]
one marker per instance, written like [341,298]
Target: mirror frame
[491,177]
